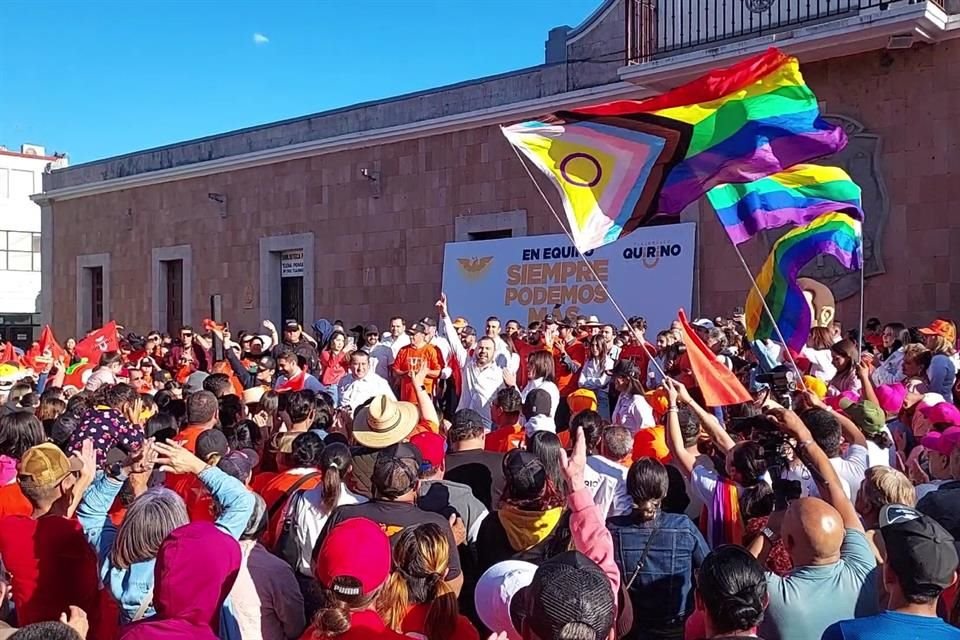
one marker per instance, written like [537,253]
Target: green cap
[865,414]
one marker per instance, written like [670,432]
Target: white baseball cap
[495,591]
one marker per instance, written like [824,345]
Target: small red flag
[98,342]
[719,386]
[8,354]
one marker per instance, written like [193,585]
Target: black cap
[429,322]
[210,442]
[291,325]
[239,464]
[524,475]
[570,596]
[921,553]
[469,331]
[624,368]
[537,403]
[266,363]
[416,327]
[549,319]
[396,470]
[371,329]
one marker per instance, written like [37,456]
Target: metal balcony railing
[658,28]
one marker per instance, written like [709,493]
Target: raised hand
[573,465]
[174,457]
[441,304]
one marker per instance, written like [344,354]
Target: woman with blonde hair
[941,338]
[882,486]
[417,598]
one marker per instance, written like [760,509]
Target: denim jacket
[661,592]
[132,585]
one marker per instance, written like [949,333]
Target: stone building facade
[367,196]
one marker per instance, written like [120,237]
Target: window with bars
[19,251]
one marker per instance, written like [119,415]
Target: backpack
[287,547]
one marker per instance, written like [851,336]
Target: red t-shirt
[334,367]
[364,625]
[53,566]
[524,349]
[13,502]
[640,358]
[416,620]
[200,506]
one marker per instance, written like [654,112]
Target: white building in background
[21,175]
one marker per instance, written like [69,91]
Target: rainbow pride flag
[795,196]
[835,234]
[618,166]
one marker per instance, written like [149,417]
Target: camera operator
[832,559]
[829,429]
[742,478]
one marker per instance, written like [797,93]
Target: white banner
[649,273]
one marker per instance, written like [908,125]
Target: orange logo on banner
[473,268]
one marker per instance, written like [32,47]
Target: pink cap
[890,397]
[834,401]
[943,443]
[942,413]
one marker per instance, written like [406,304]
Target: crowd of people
[445,480]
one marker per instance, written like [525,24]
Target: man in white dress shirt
[481,378]
[362,383]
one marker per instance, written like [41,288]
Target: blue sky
[96,79]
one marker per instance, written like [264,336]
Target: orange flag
[97,342]
[717,383]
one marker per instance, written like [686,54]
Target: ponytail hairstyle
[335,461]
[756,496]
[647,484]
[421,557]
[732,587]
[333,614]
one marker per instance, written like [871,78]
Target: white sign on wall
[649,273]
[291,263]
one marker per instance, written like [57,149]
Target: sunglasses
[186,335]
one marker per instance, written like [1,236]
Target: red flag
[717,383]
[8,354]
[76,375]
[97,342]
[43,351]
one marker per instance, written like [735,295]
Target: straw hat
[384,422]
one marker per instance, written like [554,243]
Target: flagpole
[773,320]
[600,282]
[862,279]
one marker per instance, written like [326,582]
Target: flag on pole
[719,385]
[98,342]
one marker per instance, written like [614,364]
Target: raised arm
[709,421]
[828,483]
[428,411]
[450,333]
[684,459]
[869,393]
[235,501]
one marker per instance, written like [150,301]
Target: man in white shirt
[481,378]
[361,383]
[616,445]
[380,354]
[827,427]
[398,338]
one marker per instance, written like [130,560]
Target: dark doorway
[96,298]
[291,298]
[173,276]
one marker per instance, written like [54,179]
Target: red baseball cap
[432,447]
[346,572]
[942,413]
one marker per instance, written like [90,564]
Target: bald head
[812,532]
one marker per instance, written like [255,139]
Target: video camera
[783,384]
